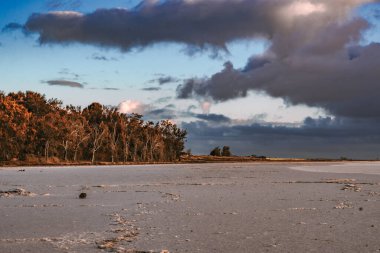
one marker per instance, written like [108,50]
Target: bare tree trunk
[66,148]
[98,139]
[126,152]
[79,136]
[93,156]
[113,143]
[75,154]
[145,152]
[77,146]
[151,153]
[134,153]
[47,150]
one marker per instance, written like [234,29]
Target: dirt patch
[16,192]
[351,187]
[326,181]
[344,205]
[349,184]
[125,232]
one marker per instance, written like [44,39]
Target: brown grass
[55,161]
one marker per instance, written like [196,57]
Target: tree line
[225,151]
[32,126]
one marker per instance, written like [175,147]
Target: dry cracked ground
[250,207]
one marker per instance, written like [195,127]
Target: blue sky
[110,75]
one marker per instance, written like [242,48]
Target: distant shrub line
[225,151]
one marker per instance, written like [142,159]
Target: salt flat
[249,207]
[349,167]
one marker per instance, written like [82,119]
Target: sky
[289,78]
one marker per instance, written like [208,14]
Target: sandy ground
[250,207]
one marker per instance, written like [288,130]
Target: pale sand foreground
[192,208]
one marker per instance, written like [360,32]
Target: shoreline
[192,160]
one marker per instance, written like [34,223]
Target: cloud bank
[65,83]
[315,58]
[316,138]
[198,23]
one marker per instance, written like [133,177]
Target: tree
[125,137]
[49,131]
[78,131]
[78,136]
[14,120]
[32,126]
[174,140]
[135,140]
[215,152]
[226,151]
[98,134]
[114,131]
[158,145]
[94,113]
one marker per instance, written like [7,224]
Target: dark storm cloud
[315,60]
[345,85]
[64,83]
[227,84]
[316,138]
[200,24]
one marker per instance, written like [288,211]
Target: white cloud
[301,8]
[132,106]
[206,106]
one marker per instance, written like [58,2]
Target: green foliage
[216,152]
[226,151]
[31,126]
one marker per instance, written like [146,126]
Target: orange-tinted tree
[32,126]
[14,120]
